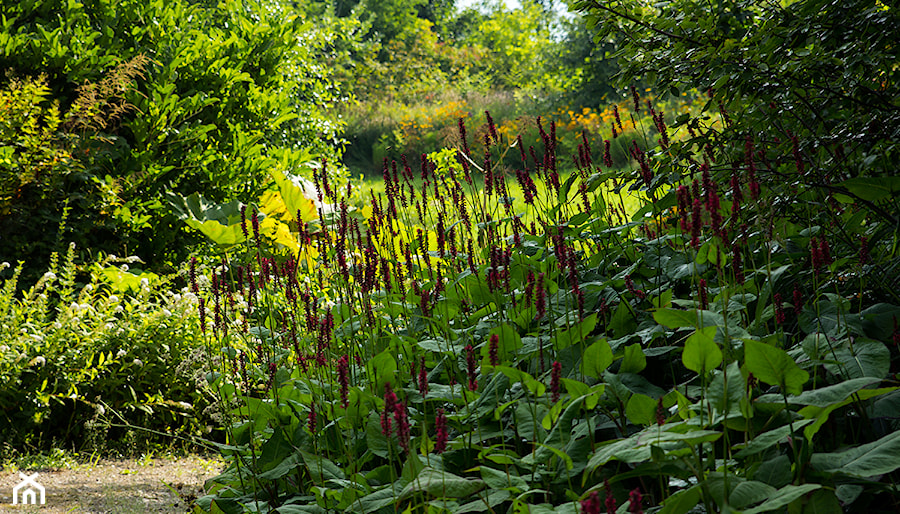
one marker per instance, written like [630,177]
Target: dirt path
[120,487]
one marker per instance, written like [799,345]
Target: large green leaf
[641,409]
[823,396]
[682,501]
[774,366]
[577,333]
[622,449]
[297,194]
[516,375]
[820,414]
[219,222]
[866,358]
[441,484]
[597,357]
[783,497]
[381,370]
[321,470]
[675,318]
[766,440]
[867,460]
[634,360]
[872,188]
[378,499]
[701,353]
[740,492]
[485,503]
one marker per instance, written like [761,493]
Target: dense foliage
[683,299]
[698,352]
[816,79]
[106,365]
[142,98]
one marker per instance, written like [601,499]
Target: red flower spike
[825,250]
[311,418]
[402,420]
[441,436]
[390,402]
[610,499]
[631,289]
[683,195]
[591,504]
[704,302]
[779,312]
[493,350]
[555,372]
[634,502]
[492,130]
[540,297]
[343,367]
[462,136]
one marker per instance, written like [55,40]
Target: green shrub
[90,349]
[224,92]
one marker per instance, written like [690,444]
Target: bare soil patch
[147,486]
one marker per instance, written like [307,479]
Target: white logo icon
[30,491]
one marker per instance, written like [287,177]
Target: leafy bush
[225,91]
[81,361]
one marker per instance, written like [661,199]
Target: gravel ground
[146,486]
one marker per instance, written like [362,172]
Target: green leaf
[766,440]
[682,501]
[867,460]
[872,188]
[321,470]
[823,396]
[381,370]
[634,361]
[622,449]
[597,357]
[219,222]
[823,501]
[774,366]
[380,498]
[676,318]
[866,358]
[821,414]
[576,388]
[701,353]
[516,375]
[441,484]
[509,341]
[375,440]
[484,503]
[641,409]
[294,191]
[577,333]
[775,471]
[783,497]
